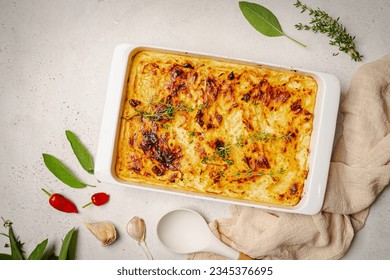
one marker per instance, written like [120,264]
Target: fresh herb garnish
[281,171]
[81,152]
[192,135]
[271,172]
[223,151]
[62,172]
[204,106]
[239,142]
[263,20]
[266,136]
[39,253]
[249,172]
[286,137]
[323,23]
[263,136]
[160,112]
[15,244]
[206,160]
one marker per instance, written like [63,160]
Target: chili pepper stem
[46,192]
[86,205]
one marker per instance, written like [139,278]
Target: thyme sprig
[263,136]
[249,173]
[323,23]
[160,112]
[223,151]
[239,142]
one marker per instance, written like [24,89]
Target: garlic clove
[136,229]
[105,232]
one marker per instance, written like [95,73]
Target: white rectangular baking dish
[324,124]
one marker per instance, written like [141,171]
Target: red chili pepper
[61,203]
[98,199]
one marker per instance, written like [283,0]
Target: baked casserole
[213,127]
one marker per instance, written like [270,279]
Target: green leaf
[62,172]
[66,245]
[37,253]
[81,152]
[16,252]
[263,20]
[4,257]
[72,246]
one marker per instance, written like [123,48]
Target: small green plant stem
[303,45]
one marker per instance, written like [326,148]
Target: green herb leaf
[263,20]
[324,23]
[4,257]
[37,253]
[72,246]
[16,252]
[62,172]
[81,152]
[66,244]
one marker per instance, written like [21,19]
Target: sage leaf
[64,252]
[81,152]
[263,20]
[37,253]
[16,252]
[62,172]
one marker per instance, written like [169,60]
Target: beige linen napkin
[359,171]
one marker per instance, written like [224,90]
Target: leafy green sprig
[67,251]
[249,172]
[223,152]
[161,112]
[263,136]
[323,23]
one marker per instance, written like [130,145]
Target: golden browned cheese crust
[214,127]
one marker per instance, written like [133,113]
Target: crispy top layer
[214,127]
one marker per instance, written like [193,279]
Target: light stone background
[55,59]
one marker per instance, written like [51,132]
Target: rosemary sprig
[323,23]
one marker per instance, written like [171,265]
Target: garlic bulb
[105,232]
[136,229]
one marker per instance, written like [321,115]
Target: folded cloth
[359,171]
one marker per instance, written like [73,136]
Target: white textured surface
[54,65]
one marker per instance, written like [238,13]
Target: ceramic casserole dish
[217,128]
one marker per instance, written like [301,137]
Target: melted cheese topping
[212,127]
